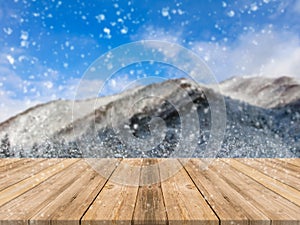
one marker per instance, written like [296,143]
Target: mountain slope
[265,128]
[262,91]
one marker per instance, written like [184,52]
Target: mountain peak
[264,92]
[263,119]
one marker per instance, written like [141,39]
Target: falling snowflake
[231,13]
[100,17]
[8,30]
[254,7]
[10,59]
[165,12]
[124,30]
[106,30]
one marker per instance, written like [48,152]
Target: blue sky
[46,46]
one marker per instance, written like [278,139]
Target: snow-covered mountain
[263,120]
[262,91]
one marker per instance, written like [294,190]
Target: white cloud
[155,33]
[118,83]
[48,84]
[17,93]
[40,92]
[266,53]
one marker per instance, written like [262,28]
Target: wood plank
[232,190]
[230,206]
[278,187]
[18,174]
[294,161]
[184,203]
[284,166]
[274,170]
[6,161]
[21,209]
[71,204]
[280,210]
[15,164]
[288,165]
[150,207]
[116,202]
[23,186]
[25,164]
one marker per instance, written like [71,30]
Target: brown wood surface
[280,210]
[276,169]
[288,192]
[69,206]
[182,199]
[230,206]
[6,161]
[149,207]
[14,163]
[150,191]
[116,202]
[28,169]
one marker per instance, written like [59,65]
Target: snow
[242,88]
[165,12]
[36,14]
[254,7]
[124,30]
[107,32]
[26,42]
[48,84]
[180,12]
[100,18]
[10,59]
[24,35]
[8,30]
[231,13]
[274,132]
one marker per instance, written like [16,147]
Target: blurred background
[46,46]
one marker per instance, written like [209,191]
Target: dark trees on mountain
[5,146]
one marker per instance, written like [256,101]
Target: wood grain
[33,200]
[150,207]
[25,185]
[230,206]
[275,170]
[149,191]
[116,200]
[274,206]
[69,206]
[278,187]
[16,163]
[183,201]
[7,161]
[29,169]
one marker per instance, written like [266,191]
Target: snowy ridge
[262,91]
[263,120]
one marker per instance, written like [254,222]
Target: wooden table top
[229,191]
